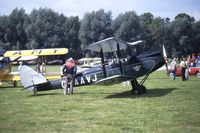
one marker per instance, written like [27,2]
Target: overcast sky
[162,8]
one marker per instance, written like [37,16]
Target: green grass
[167,107]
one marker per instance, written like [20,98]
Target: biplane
[7,57]
[125,62]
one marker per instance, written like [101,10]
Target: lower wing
[113,80]
[12,77]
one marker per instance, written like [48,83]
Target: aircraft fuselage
[143,65]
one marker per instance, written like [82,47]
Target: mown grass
[167,107]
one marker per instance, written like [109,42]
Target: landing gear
[137,88]
[15,83]
[34,91]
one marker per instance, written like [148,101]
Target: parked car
[192,71]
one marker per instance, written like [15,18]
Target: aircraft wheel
[136,91]
[15,83]
[34,91]
[198,74]
[143,88]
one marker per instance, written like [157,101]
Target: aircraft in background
[89,62]
[7,57]
[125,62]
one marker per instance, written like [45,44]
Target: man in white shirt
[173,68]
[183,67]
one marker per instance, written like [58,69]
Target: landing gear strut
[34,91]
[15,83]
[137,88]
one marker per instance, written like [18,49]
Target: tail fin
[30,77]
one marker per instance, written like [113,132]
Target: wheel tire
[15,83]
[198,74]
[137,91]
[34,91]
[143,88]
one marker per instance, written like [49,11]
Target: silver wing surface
[30,77]
[113,80]
[110,45]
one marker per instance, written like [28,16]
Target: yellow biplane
[5,62]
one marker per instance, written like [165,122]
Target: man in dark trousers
[69,70]
[183,67]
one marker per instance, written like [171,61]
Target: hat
[70,59]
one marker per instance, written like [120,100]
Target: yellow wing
[52,75]
[36,52]
[12,77]
[16,77]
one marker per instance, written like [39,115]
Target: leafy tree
[44,29]
[181,29]
[12,30]
[71,30]
[196,37]
[3,26]
[146,19]
[127,26]
[158,29]
[95,26]
[146,35]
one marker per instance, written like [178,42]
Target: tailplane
[30,77]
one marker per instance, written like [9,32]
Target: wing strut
[119,56]
[103,63]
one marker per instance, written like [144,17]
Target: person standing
[183,67]
[20,65]
[43,69]
[69,70]
[187,64]
[38,67]
[173,68]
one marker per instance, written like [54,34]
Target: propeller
[165,58]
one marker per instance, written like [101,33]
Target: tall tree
[145,22]
[71,30]
[4,44]
[45,29]
[182,33]
[196,37]
[95,26]
[158,29]
[13,34]
[127,26]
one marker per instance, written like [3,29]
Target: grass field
[167,107]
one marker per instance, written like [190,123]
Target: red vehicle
[192,71]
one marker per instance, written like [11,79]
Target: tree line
[45,28]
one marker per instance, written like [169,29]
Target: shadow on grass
[43,94]
[9,87]
[158,92]
[87,93]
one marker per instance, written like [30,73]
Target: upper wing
[36,52]
[110,45]
[23,58]
[113,80]
[52,75]
[14,76]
